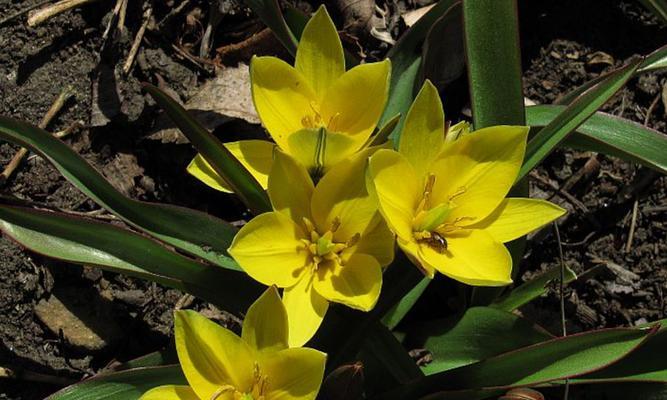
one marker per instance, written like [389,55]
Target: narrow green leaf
[383,133]
[494,62]
[443,52]
[491,34]
[645,364]
[574,115]
[221,160]
[195,232]
[478,334]
[87,242]
[610,391]
[608,134]
[124,385]
[396,314]
[388,350]
[552,360]
[532,289]
[406,57]
[270,13]
[657,7]
[654,61]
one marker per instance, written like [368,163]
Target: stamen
[331,126]
[353,240]
[335,224]
[461,190]
[222,390]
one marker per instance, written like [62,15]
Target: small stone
[83,319]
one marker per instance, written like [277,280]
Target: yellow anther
[353,240]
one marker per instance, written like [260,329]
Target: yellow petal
[170,392]
[475,172]
[282,96]
[210,355]
[305,311]
[423,133]
[265,324]
[413,252]
[356,284]
[377,241]
[319,150]
[354,103]
[398,190]
[517,217]
[341,194]
[320,57]
[290,188]
[268,248]
[294,374]
[472,257]
[255,155]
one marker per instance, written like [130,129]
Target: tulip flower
[321,243]
[259,365]
[315,111]
[446,199]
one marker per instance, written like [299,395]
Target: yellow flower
[259,365]
[315,111]
[445,200]
[321,244]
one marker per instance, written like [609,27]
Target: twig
[562,298]
[42,15]
[21,374]
[121,15]
[95,214]
[137,42]
[24,11]
[112,20]
[633,226]
[173,13]
[650,109]
[575,202]
[20,155]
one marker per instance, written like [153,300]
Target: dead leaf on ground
[223,98]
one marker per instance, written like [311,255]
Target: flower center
[257,391]
[431,223]
[314,119]
[322,247]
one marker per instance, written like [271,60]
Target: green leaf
[406,57]
[443,52]
[611,391]
[478,334]
[644,364]
[396,314]
[86,242]
[221,160]
[654,61]
[552,360]
[494,62]
[384,346]
[610,135]
[532,289]
[195,232]
[124,385]
[269,12]
[546,140]
[657,7]
[383,133]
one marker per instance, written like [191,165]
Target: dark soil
[562,49]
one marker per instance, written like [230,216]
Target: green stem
[491,34]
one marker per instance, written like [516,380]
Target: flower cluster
[340,206]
